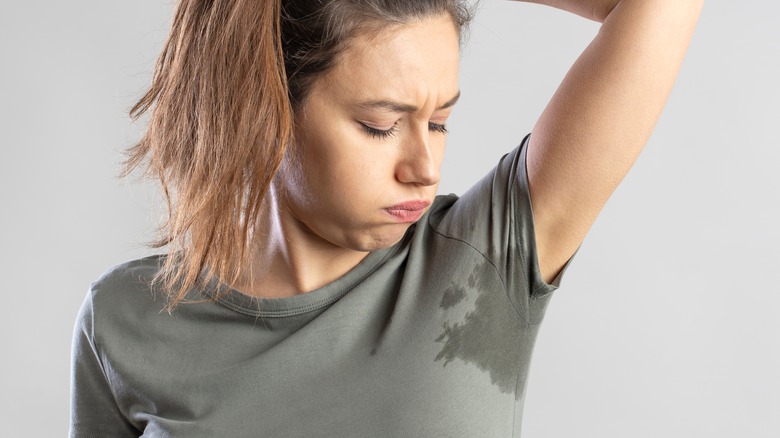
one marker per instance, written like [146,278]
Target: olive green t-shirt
[431,337]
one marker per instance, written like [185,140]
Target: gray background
[666,324]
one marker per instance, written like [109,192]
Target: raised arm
[601,116]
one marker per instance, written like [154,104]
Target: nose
[418,163]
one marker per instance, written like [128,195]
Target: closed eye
[379,133]
[387,133]
[437,127]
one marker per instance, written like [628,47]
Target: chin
[377,241]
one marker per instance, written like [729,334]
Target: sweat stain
[490,336]
[452,296]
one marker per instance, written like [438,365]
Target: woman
[315,286]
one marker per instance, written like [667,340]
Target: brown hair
[222,100]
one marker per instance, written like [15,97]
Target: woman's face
[370,139]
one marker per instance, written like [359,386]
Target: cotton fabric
[431,337]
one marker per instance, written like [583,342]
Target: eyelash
[383,134]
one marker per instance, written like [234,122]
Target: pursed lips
[409,211]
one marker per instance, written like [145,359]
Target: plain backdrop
[666,324]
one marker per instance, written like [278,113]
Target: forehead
[413,63]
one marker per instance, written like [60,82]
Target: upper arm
[94,411]
[600,118]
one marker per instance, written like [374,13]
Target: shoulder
[130,271]
[123,293]
[488,208]
[126,279]
[495,218]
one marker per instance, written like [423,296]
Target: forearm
[596,10]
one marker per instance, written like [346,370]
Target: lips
[409,211]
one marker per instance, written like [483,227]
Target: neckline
[309,301]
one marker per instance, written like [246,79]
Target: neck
[289,258]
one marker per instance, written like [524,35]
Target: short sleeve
[522,217]
[495,217]
[94,411]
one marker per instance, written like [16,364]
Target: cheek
[344,157]
[335,174]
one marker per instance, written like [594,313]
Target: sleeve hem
[537,283]
[556,282]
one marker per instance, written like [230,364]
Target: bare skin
[602,115]
[328,210]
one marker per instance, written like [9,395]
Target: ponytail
[221,109]
[220,122]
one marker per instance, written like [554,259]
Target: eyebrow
[402,107]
